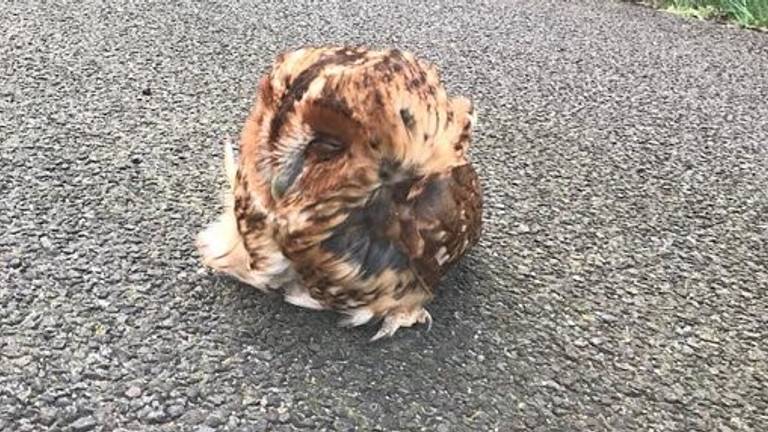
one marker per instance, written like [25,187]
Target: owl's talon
[396,320]
[387,330]
[427,318]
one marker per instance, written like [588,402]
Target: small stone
[23,361]
[146,91]
[12,349]
[249,399]
[606,317]
[342,424]
[156,416]
[193,417]
[261,425]
[284,417]
[193,393]
[553,385]
[175,411]
[83,424]
[264,355]
[133,392]
[674,394]
[136,160]
[15,263]
[217,399]
[204,428]
[272,416]
[274,400]
[215,420]
[443,428]
[136,403]
[232,423]
[47,416]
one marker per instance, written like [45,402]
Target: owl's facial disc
[320,149]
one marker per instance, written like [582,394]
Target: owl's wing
[414,229]
[440,219]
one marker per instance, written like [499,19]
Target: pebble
[83,424]
[133,392]
[175,411]
[156,416]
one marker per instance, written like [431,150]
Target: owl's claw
[396,320]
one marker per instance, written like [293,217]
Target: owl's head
[333,121]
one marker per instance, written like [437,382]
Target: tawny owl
[353,190]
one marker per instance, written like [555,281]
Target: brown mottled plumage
[353,190]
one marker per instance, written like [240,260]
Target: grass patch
[748,13]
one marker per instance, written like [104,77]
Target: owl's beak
[286,176]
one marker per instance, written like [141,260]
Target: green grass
[748,13]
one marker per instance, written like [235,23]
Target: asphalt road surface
[620,283]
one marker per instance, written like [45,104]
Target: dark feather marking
[396,54]
[407,118]
[335,104]
[382,254]
[402,289]
[375,143]
[352,243]
[390,66]
[242,205]
[400,179]
[255,221]
[433,199]
[388,169]
[378,99]
[329,100]
[300,86]
[342,200]
[378,209]
[417,82]
[325,218]
[360,237]
[288,172]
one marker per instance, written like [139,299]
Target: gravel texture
[620,283]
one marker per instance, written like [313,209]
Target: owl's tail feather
[220,244]
[222,247]
[230,164]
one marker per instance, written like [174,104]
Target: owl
[352,190]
